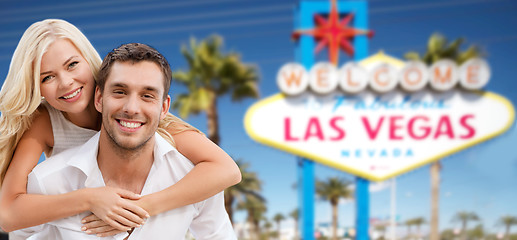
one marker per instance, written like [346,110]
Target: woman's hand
[114,207]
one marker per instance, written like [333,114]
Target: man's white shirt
[77,168]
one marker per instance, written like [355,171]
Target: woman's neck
[89,118]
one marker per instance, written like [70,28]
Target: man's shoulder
[55,164]
[172,155]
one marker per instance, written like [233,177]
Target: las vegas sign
[392,116]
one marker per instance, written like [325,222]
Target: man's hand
[94,225]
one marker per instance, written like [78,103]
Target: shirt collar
[86,159]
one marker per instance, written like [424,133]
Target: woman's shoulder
[41,126]
[41,116]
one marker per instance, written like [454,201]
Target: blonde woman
[54,61]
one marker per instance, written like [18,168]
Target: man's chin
[129,145]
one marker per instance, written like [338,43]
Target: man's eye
[47,78]
[118,92]
[72,64]
[148,96]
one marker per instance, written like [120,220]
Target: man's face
[132,103]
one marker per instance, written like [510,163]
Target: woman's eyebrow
[68,60]
[64,64]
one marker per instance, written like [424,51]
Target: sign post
[305,55]
[306,198]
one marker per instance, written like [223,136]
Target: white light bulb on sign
[474,74]
[323,78]
[413,76]
[292,79]
[383,78]
[352,78]
[443,75]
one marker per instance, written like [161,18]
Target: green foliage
[278,217]
[438,48]
[333,189]
[447,234]
[294,214]
[507,221]
[212,74]
[476,233]
[464,217]
[250,184]
[249,187]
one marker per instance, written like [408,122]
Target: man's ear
[98,99]
[165,107]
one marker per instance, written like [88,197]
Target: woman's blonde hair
[20,95]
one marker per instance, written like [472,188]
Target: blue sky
[480,179]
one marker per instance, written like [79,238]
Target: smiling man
[132,95]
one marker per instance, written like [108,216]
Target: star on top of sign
[333,33]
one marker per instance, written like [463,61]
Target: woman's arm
[214,171]
[20,210]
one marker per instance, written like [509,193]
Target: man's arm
[212,221]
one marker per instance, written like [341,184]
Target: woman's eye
[72,65]
[47,78]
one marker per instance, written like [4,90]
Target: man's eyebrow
[151,89]
[118,84]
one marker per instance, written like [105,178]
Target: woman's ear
[98,99]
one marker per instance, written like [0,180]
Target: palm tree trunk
[464,230]
[507,232]
[334,221]
[256,224]
[252,232]
[278,229]
[213,120]
[295,229]
[228,203]
[435,196]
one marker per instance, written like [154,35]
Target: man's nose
[132,105]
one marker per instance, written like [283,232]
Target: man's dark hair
[135,52]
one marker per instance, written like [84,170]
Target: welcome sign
[378,136]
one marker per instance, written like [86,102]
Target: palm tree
[507,221]
[464,218]
[250,185]
[438,48]
[278,218]
[447,234]
[381,228]
[255,209]
[418,222]
[477,232]
[409,223]
[267,225]
[295,214]
[332,190]
[212,74]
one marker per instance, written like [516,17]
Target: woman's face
[66,80]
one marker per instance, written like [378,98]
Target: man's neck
[126,169]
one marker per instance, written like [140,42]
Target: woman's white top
[66,134]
